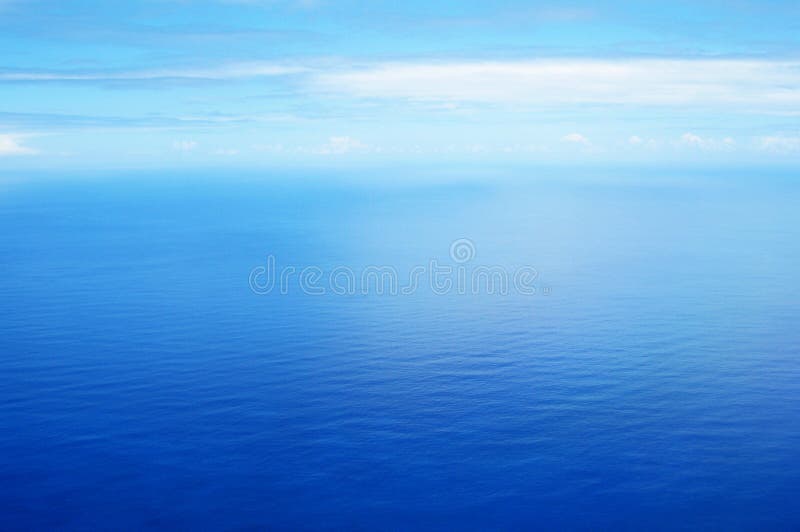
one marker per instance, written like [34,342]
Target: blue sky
[186,83]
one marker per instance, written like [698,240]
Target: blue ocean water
[652,381]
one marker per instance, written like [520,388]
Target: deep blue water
[653,381]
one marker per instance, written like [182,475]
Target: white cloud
[341,146]
[573,81]
[638,142]
[749,85]
[779,144]
[706,143]
[184,145]
[693,140]
[11,145]
[576,138]
[270,148]
[229,152]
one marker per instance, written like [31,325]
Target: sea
[400,348]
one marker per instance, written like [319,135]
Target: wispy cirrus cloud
[748,85]
[305,4]
[576,81]
[70,121]
[231,71]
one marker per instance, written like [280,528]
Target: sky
[195,83]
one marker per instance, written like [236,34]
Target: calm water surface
[653,380]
